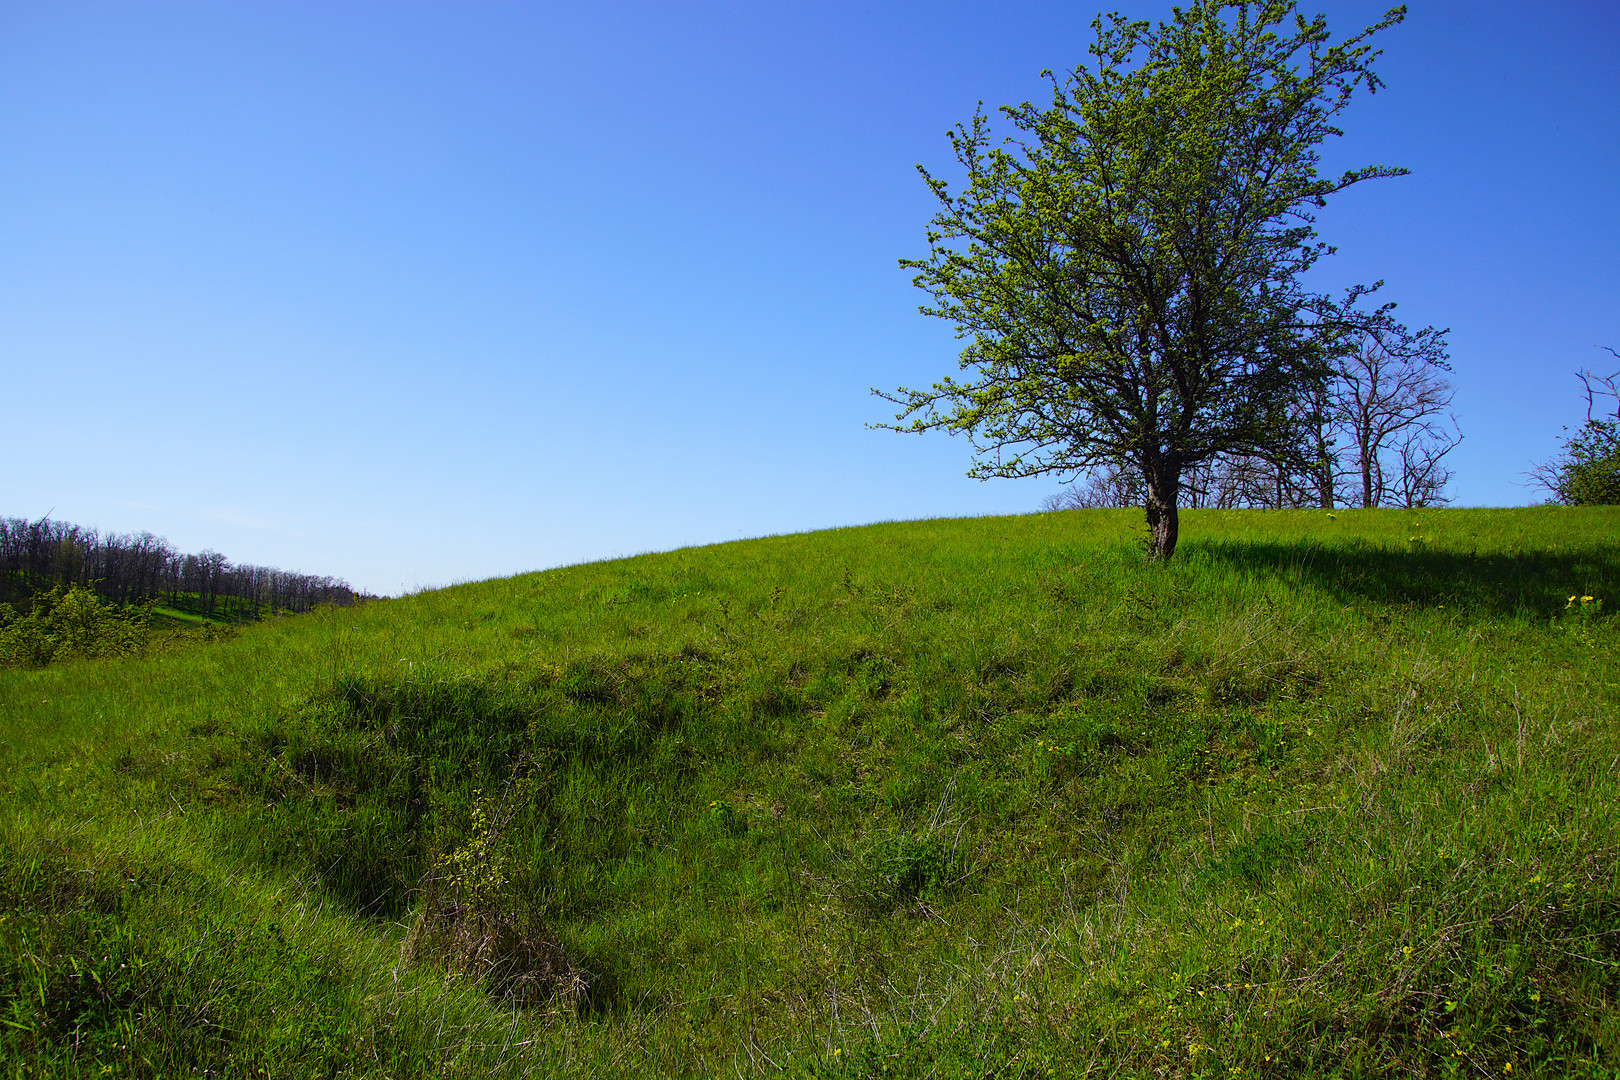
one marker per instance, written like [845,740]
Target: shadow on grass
[1535,583]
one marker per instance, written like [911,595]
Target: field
[1331,794]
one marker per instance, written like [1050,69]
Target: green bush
[70,624]
[1589,474]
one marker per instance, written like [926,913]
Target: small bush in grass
[473,916]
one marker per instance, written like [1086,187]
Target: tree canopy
[1127,267]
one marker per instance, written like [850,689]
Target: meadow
[1333,793]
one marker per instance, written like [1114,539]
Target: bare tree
[1376,434]
[1111,486]
[1393,408]
[1422,475]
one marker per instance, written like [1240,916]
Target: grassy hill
[1331,794]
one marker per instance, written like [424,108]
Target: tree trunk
[1324,462]
[1163,516]
[1366,476]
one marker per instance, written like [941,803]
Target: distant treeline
[131,568]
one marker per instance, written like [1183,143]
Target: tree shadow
[1534,583]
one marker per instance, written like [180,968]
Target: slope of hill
[1331,794]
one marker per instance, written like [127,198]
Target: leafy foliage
[1588,472]
[1128,268]
[71,622]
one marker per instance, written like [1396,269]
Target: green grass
[169,628]
[1330,794]
[188,612]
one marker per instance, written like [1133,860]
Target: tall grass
[1331,794]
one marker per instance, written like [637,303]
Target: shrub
[70,624]
[1589,473]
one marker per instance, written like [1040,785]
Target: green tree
[1127,267]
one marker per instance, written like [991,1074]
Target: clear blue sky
[415,293]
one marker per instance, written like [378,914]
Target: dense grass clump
[1331,794]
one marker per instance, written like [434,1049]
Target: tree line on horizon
[135,568]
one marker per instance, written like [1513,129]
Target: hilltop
[1332,793]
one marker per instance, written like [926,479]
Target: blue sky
[419,293]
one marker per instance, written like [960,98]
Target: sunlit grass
[1332,793]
